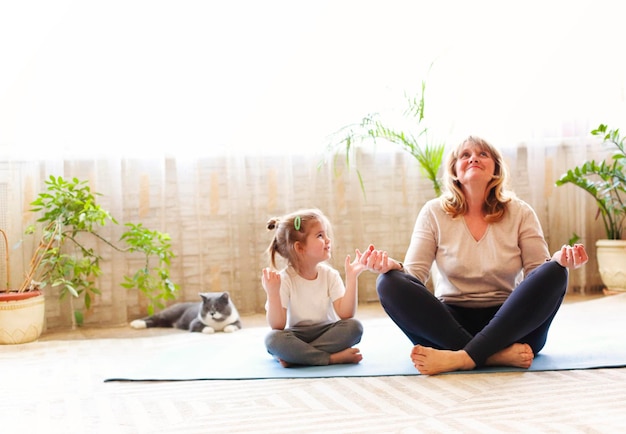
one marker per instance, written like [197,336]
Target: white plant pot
[611,256]
[21,317]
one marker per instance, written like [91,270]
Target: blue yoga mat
[584,335]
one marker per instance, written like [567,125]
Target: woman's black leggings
[524,317]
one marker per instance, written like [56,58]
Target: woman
[498,289]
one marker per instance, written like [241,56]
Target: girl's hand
[270,281]
[355,267]
[571,256]
[276,314]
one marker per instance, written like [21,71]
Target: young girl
[308,307]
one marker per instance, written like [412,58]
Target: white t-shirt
[310,302]
[476,273]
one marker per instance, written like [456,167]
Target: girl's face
[474,164]
[317,243]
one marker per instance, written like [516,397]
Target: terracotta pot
[21,316]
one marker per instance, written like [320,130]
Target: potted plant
[606,182]
[71,221]
[21,309]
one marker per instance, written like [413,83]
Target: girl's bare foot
[431,361]
[284,364]
[517,355]
[349,355]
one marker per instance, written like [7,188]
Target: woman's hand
[571,256]
[378,261]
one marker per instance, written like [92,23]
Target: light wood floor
[56,385]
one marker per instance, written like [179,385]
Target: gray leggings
[313,345]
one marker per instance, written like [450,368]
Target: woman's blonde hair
[291,229]
[497,194]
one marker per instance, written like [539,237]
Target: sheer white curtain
[204,119]
[215,209]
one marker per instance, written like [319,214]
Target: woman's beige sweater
[476,273]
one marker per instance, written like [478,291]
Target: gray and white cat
[216,312]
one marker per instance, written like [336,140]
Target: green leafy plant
[429,156]
[605,181]
[67,257]
[575,238]
[153,282]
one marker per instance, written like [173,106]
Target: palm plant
[371,128]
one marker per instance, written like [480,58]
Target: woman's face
[474,165]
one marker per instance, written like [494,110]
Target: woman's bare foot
[349,355]
[431,361]
[517,355]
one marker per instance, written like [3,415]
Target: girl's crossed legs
[324,344]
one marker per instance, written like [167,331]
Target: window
[198,77]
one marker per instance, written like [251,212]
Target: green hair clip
[297,222]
